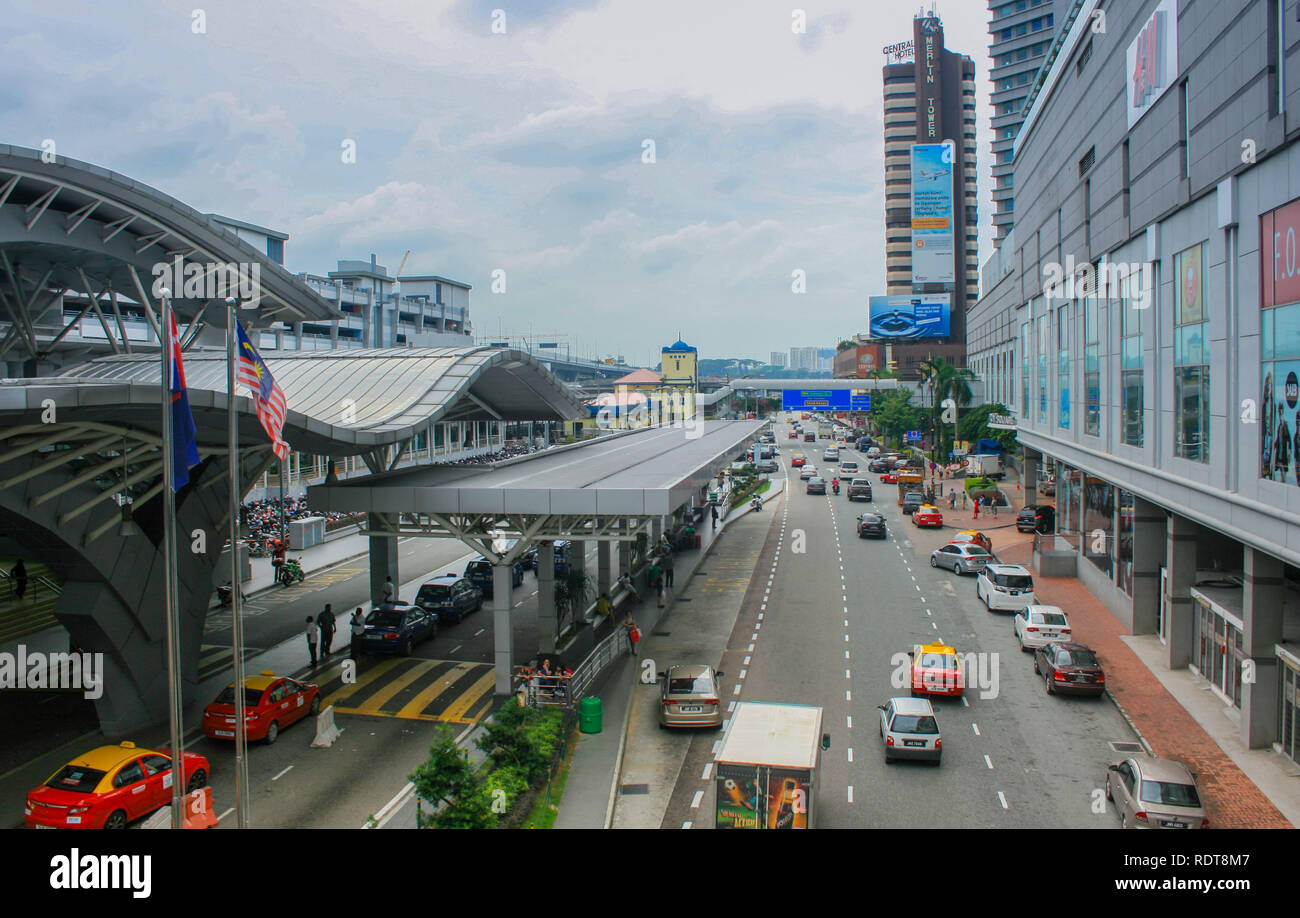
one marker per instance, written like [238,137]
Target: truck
[909,480]
[984,466]
[765,772]
[825,430]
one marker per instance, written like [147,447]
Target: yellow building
[680,364]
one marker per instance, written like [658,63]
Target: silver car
[961,558]
[689,696]
[1152,793]
[909,730]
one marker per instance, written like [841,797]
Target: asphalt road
[838,611]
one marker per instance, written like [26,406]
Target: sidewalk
[598,767]
[314,560]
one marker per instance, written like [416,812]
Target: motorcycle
[756,504]
[224,595]
[835,487]
[290,571]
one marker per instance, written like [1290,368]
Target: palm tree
[946,381]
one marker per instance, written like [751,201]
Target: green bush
[523,738]
[979,484]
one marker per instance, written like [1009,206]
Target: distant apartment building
[803,358]
[778,359]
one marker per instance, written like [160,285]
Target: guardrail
[603,654]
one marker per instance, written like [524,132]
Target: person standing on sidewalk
[358,629]
[390,591]
[633,633]
[713,510]
[326,623]
[976,502]
[311,639]
[668,570]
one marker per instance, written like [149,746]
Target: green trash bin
[589,715]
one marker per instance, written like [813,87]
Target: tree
[973,426]
[448,780]
[893,414]
[845,345]
[946,381]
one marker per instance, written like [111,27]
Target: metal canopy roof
[340,402]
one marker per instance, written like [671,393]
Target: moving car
[810,437]
[936,670]
[449,597]
[1036,518]
[878,466]
[890,477]
[1005,586]
[397,627]
[689,696]
[479,573]
[910,731]
[1151,793]
[961,558]
[849,467]
[871,524]
[271,703]
[807,471]
[873,452]
[1070,668]
[831,454]
[911,501]
[816,485]
[859,489]
[110,786]
[1036,625]
[927,515]
[975,538]
[798,460]
[793,434]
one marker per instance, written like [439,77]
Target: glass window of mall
[1063,365]
[1133,306]
[1191,357]
[1091,366]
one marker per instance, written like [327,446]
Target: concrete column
[1263,594]
[1180,561]
[383,558]
[604,577]
[578,556]
[624,551]
[656,530]
[503,635]
[547,616]
[1029,480]
[1148,558]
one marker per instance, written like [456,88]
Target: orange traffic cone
[199,812]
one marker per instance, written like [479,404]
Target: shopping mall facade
[1142,319]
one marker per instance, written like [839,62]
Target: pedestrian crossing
[449,691]
[213,658]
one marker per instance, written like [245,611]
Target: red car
[793,435]
[927,515]
[974,537]
[890,477]
[271,703]
[109,787]
[937,670]
[797,461]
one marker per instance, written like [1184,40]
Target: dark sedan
[1069,668]
[816,485]
[871,525]
[397,628]
[879,465]
[479,572]
[860,489]
[450,597]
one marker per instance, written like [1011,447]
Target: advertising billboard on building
[916,316]
[1152,60]
[932,216]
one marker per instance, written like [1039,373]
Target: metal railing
[602,655]
[33,585]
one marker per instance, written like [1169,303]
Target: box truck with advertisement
[765,773]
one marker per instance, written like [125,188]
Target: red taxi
[936,670]
[890,477]
[974,537]
[109,787]
[271,703]
[927,515]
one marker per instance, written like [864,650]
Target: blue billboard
[910,316]
[932,215]
[860,402]
[814,399]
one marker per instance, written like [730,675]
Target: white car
[1008,587]
[807,471]
[831,454]
[1036,626]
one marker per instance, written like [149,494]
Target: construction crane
[397,284]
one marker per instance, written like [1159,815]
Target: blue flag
[185,448]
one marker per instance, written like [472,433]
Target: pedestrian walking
[993,505]
[390,590]
[325,621]
[713,510]
[668,569]
[963,498]
[977,507]
[633,633]
[358,629]
[20,578]
[311,639]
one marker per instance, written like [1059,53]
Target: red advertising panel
[1279,255]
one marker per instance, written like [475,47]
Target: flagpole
[236,601]
[169,562]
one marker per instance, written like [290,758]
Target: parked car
[860,489]
[1070,668]
[690,696]
[1151,793]
[909,730]
[110,786]
[397,627]
[871,525]
[479,573]
[927,515]
[271,703]
[936,670]
[877,466]
[975,538]
[1005,586]
[449,597]
[962,558]
[1036,518]
[1036,625]
[816,485]
[768,466]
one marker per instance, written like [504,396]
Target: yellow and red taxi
[271,703]
[927,515]
[794,434]
[974,537]
[936,670]
[109,787]
[890,477]
[798,460]
[805,416]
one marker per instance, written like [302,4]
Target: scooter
[224,595]
[835,487]
[756,504]
[291,570]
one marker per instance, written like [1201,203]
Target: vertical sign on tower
[932,214]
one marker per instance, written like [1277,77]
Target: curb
[1129,720]
[618,763]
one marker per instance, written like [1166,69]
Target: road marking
[1003,798]
[918,588]
[976,727]
[753,637]
[743,672]
[850,793]
[934,626]
[760,616]
[751,646]
[731,706]
[457,647]
[736,690]
[757,625]
[747,659]
[848,695]
[686,824]
[708,770]
[850,753]
[988,762]
[518,604]
[225,814]
[846,674]
[716,746]
[695,801]
[964,702]
[927,611]
[849,718]
[479,631]
[846,654]
[922,599]
[282,774]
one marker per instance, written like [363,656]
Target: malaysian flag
[185,451]
[271,409]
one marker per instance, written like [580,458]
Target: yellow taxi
[975,537]
[936,670]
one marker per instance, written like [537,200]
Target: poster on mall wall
[1280,422]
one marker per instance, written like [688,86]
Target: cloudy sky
[521,151]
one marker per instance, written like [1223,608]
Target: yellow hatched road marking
[431,692]
[469,697]
[370,676]
[376,701]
